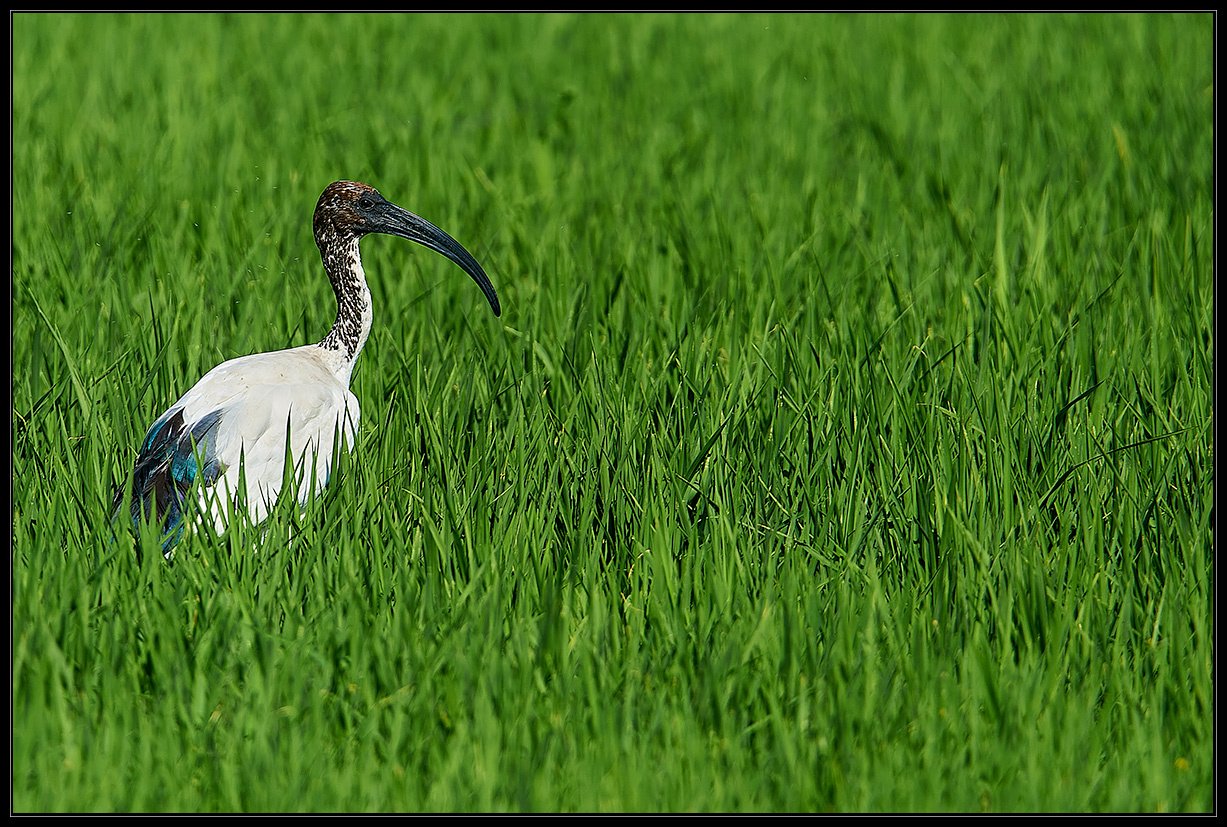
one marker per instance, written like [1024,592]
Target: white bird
[223,445]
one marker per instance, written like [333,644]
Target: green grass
[846,443]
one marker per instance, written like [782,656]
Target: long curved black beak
[396,221]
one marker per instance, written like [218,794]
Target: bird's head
[350,208]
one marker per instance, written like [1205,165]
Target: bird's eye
[365,203]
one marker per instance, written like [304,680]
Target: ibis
[223,447]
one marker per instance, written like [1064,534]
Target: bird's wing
[176,454]
[233,431]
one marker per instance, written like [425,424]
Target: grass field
[846,442]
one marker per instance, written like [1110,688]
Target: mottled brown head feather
[337,214]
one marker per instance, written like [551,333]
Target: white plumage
[269,398]
[224,444]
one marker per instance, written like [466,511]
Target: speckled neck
[343,263]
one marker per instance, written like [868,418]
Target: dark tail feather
[166,471]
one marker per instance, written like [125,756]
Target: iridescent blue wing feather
[175,456]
